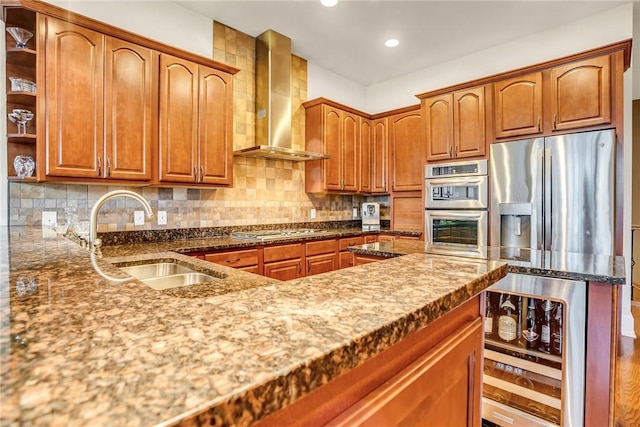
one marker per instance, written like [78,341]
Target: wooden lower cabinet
[284,262]
[346,258]
[321,256]
[431,378]
[247,260]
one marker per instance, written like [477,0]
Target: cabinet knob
[195,173]
[554,121]
[201,173]
[538,124]
[99,166]
[308,266]
[108,167]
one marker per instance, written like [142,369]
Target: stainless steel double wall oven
[456,202]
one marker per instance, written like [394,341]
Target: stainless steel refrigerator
[555,193]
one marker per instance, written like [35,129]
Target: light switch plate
[312,214]
[355,212]
[138,217]
[162,217]
[49,218]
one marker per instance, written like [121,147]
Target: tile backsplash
[264,191]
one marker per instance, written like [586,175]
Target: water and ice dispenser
[515,224]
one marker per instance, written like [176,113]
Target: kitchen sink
[167,275]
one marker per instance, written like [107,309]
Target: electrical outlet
[49,218]
[138,217]
[162,217]
[312,214]
[355,212]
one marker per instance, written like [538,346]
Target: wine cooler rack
[530,341]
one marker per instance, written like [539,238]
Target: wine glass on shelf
[20,35]
[20,117]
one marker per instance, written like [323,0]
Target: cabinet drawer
[235,259]
[283,252]
[371,239]
[321,247]
[351,241]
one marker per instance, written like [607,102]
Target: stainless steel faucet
[93,221]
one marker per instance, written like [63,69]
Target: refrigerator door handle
[539,201]
[548,181]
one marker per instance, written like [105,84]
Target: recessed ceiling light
[329,3]
[392,43]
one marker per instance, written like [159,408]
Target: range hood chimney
[273,101]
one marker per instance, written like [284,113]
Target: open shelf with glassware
[21,74]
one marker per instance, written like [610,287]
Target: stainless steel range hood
[273,101]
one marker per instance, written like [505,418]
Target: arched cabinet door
[468,123]
[178,120]
[130,82]
[215,112]
[518,106]
[74,100]
[581,94]
[407,151]
[438,116]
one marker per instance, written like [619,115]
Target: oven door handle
[451,182]
[455,215]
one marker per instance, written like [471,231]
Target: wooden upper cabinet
[215,117]
[196,114]
[438,116]
[581,94]
[130,109]
[455,124]
[468,123]
[365,159]
[518,106]
[379,156]
[336,133]
[406,142]
[74,100]
[178,120]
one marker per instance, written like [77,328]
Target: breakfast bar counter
[77,348]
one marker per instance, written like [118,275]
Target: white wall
[327,84]
[163,21]
[608,27]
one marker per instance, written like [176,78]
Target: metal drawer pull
[233,260]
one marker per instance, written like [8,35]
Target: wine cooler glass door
[534,352]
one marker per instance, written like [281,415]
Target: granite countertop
[79,349]
[560,265]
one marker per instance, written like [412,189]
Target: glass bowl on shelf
[24,166]
[20,35]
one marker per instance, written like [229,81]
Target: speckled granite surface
[573,266]
[79,349]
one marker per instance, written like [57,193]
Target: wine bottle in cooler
[556,331]
[488,316]
[507,319]
[545,326]
[531,334]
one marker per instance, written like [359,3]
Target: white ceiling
[348,39]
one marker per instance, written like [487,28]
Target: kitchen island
[79,349]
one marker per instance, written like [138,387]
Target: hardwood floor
[627,396]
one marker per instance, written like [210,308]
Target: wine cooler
[534,354]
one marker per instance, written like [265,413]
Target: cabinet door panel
[74,95]
[350,143]
[468,114]
[380,156]
[321,264]
[438,112]
[321,247]
[346,242]
[407,213]
[518,106]
[347,259]
[235,259]
[332,137]
[215,108]
[129,109]
[178,119]
[284,270]
[366,156]
[580,94]
[283,252]
[407,151]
